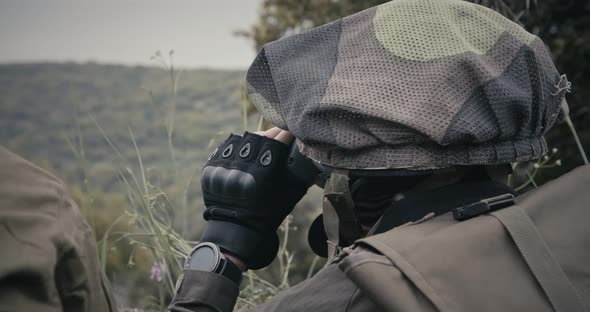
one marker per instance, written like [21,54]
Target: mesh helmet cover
[414,84]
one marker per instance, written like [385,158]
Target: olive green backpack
[532,256]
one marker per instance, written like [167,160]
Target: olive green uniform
[49,259]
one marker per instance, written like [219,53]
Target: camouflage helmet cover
[414,84]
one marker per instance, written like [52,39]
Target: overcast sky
[127,31]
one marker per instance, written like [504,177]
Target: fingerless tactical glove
[248,192]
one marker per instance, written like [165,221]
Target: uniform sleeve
[200,291]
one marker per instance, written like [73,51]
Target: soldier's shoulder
[24,185]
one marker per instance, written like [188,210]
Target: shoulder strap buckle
[483,206]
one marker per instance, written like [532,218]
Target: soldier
[49,258]
[412,111]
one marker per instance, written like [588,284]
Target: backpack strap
[533,248]
[340,220]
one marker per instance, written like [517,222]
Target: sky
[127,31]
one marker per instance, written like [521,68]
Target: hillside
[42,105]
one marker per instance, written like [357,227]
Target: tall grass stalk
[169,117]
[570,125]
[76,144]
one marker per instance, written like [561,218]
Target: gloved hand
[248,192]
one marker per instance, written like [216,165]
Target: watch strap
[230,270]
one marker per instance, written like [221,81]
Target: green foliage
[128,265]
[564,26]
[280,18]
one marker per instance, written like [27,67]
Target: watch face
[203,258]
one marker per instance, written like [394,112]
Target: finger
[270,133]
[285,137]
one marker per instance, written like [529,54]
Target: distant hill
[43,104]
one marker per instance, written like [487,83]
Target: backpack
[531,256]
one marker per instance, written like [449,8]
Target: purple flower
[157,271]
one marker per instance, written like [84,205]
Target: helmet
[412,84]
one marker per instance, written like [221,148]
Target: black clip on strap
[483,206]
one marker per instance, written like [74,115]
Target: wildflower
[157,271]
[554,150]
[558,162]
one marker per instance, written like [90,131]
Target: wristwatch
[208,257]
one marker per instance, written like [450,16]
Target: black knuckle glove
[248,192]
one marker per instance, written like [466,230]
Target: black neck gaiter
[372,195]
